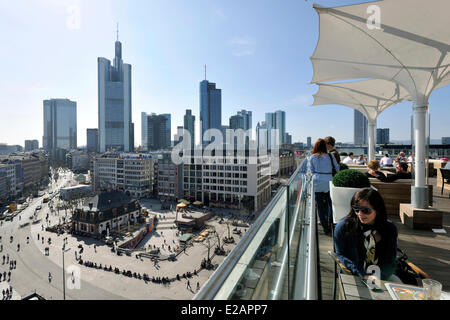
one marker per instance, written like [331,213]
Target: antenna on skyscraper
[205,71]
[117,31]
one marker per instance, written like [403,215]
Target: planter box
[397,192]
[341,198]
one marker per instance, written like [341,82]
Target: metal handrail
[215,282]
[306,280]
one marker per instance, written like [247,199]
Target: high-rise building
[92,140]
[242,120]
[276,128]
[445,140]
[155,132]
[189,125]
[210,109]
[382,136]
[178,136]
[168,129]
[60,127]
[308,142]
[360,129]
[115,127]
[288,139]
[31,145]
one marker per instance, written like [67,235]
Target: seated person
[401,157]
[360,161]
[402,173]
[374,166]
[365,237]
[349,159]
[386,161]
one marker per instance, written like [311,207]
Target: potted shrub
[342,188]
[342,166]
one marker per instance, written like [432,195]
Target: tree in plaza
[209,244]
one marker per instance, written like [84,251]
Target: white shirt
[447,166]
[348,160]
[410,159]
[385,161]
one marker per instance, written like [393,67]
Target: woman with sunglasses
[365,237]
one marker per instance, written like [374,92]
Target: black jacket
[393,177]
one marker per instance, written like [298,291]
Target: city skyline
[255,68]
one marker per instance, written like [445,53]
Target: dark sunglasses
[364,210]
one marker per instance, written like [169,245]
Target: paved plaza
[34,265]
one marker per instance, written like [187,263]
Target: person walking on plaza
[323,166]
[188,286]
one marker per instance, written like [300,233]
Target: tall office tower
[168,129]
[383,136]
[277,121]
[445,140]
[155,133]
[360,129]
[243,120]
[308,142]
[189,125]
[116,130]
[178,137]
[60,127]
[31,145]
[288,138]
[92,140]
[210,109]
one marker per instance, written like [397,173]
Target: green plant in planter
[351,179]
[342,166]
[343,154]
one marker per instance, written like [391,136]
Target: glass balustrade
[276,259]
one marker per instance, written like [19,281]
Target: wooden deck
[428,250]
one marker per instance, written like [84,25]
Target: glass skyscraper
[210,108]
[60,127]
[189,125]
[92,140]
[116,130]
[277,121]
[360,129]
[155,131]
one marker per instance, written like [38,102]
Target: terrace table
[351,288]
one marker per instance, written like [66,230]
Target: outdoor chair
[445,178]
[343,269]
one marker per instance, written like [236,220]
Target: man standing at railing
[330,147]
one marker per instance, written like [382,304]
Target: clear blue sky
[256,51]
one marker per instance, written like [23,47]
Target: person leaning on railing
[323,165]
[366,237]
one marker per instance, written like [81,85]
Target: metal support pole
[419,193]
[371,138]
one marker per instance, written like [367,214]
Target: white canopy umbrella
[370,97]
[409,45]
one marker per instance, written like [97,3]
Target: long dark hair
[374,198]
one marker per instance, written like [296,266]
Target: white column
[419,197]
[371,138]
